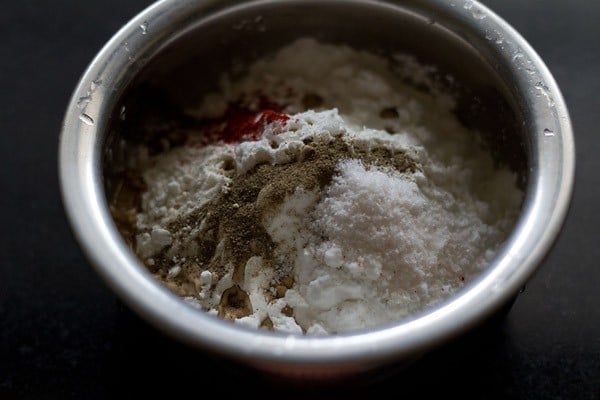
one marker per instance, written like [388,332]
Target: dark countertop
[64,335]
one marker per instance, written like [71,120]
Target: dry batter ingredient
[324,195]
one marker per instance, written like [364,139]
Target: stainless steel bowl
[182,46]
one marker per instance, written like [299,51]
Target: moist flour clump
[323,194]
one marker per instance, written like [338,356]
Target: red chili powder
[240,123]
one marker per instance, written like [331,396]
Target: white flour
[378,242]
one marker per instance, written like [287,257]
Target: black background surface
[64,335]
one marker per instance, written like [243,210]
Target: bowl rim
[546,206]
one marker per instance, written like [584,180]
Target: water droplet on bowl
[476,12]
[545,91]
[548,132]
[86,119]
[83,101]
[479,14]
[144,27]
[94,85]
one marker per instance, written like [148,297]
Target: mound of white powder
[360,202]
